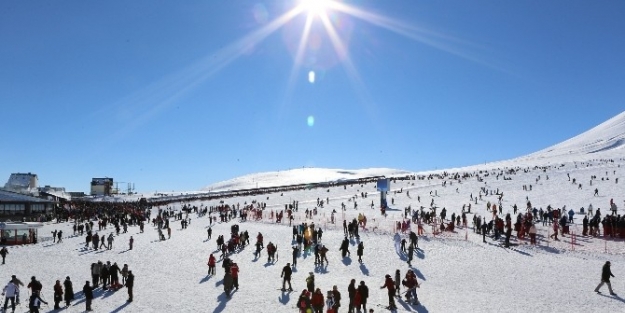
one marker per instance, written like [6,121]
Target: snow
[457,271]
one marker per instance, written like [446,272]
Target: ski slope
[458,272]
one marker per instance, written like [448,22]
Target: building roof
[8,196]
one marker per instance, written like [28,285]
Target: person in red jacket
[390,285]
[317,302]
[211,264]
[234,271]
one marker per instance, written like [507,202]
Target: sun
[315,7]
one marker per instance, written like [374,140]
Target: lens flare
[311,121]
[311,77]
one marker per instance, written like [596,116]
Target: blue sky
[175,95]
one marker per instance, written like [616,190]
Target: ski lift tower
[383,186]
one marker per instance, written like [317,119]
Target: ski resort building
[22,182]
[17,206]
[18,233]
[101,186]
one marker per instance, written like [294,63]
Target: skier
[210,232]
[359,251]
[286,276]
[410,281]
[3,253]
[390,285]
[69,291]
[211,265]
[605,278]
[130,242]
[88,292]
[317,301]
[35,302]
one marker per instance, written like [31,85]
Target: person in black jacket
[337,299]
[351,291]
[286,275]
[363,290]
[87,290]
[605,278]
[69,291]
[130,281]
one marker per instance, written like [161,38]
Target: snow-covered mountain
[604,141]
[606,138]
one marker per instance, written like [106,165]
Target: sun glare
[315,7]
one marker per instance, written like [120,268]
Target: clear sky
[175,95]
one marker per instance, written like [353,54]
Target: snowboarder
[605,278]
[286,276]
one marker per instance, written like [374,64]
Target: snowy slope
[458,272]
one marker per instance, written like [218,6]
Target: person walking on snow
[9,292]
[605,278]
[211,265]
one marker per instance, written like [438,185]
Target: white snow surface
[457,272]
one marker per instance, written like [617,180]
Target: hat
[311,273]
[67,277]
[387,275]
[13,276]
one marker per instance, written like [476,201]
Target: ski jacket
[606,273]
[317,299]
[58,290]
[10,290]
[88,292]
[234,270]
[286,272]
[211,261]
[363,290]
[389,284]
